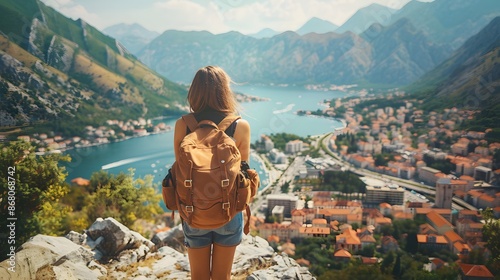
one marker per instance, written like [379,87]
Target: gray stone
[173,238]
[114,237]
[51,257]
[77,238]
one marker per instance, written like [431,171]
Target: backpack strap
[228,121]
[190,121]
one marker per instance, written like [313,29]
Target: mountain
[470,78]
[365,17]
[63,74]
[133,36]
[264,33]
[316,25]
[401,53]
[449,21]
[179,54]
[293,59]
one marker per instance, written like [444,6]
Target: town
[446,208]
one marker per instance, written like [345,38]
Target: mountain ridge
[365,17]
[287,58]
[470,76]
[316,25]
[84,76]
[134,36]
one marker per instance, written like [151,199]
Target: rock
[112,251]
[173,238]
[48,257]
[77,238]
[254,257]
[110,237]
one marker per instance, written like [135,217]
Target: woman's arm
[242,138]
[179,133]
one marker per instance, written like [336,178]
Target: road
[457,203]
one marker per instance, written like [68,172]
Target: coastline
[80,146]
[272,175]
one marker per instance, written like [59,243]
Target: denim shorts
[229,234]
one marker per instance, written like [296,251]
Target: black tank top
[216,117]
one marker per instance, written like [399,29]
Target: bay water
[154,154]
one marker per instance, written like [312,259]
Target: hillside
[62,74]
[401,53]
[449,22]
[469,78]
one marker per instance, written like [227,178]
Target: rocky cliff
[109,250]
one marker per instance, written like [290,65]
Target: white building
[293,147]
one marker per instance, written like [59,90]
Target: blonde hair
[210,89]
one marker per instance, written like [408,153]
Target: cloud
[75,11]
[284,15]
[188,15]
[216,16]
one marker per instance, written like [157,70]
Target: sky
[216,16]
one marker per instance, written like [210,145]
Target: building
[307,232]
[444,191]
[428,175]
[293,147]
[389,243]
[342,255]
[483,173]
[438,222]
[348,240]
[421,213]
[474,272]
[268,143]
[392,194]
[278,213]
[288,202]
[431,242]
[277,156]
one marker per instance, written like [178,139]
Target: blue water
[154,154]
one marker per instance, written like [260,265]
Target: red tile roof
[342,253]
[452,236]
[437,220]
[472,270]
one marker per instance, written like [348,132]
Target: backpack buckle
[189,209]
[188,183]
[225,183]
[226,205]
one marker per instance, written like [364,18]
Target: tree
[355,271]
[367,251]
[123,198]
[397,270]
[31,187]
[387,263]
[491,234]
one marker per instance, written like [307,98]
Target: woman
[211,252]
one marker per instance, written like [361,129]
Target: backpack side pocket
[168,192]
[243,192]
[254,182]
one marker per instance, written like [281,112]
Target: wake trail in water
[130,160]
[288,108]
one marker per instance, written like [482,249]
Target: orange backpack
[207,184]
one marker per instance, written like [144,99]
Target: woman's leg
[222,261]
[199,261]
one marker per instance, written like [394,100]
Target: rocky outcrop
[110,250]
[109,239]
[49,257]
